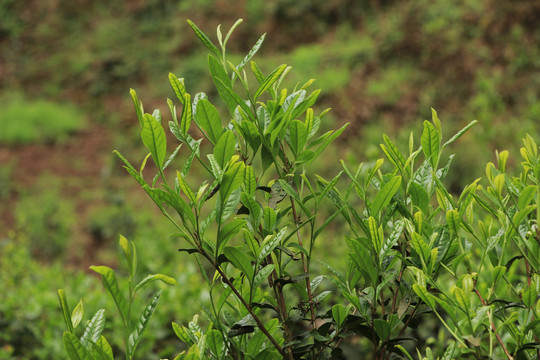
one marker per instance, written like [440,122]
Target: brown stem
[493,327]
[306,270]
[260,325]
[394,299]
[408,321]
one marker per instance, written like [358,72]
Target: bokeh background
[66,68]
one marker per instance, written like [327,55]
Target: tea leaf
[339,313]
[270,244]
[424,295]
[178,87]
[228,231]
[153,137]
[65,310]
[93,330]
[430,144]
[108,278]
[526,196]
[208,120]
[222,82]
[103,349]
[135,336]
[462,299]
[239,261]
[214,339]
[385,195]
[297,136]
[271,79]
[263,275]
[204,39]
[138,106]
[232,179]
[124,244]
[252,52]
[225,148]
[155,277]
[185,120]
[77,314]
[182,333]
[74,348]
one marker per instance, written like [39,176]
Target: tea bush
[23,121]
[465,265]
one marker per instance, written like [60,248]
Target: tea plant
[92,344]
[253,222]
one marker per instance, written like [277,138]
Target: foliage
[24,121]
[254,222]
[48,226]
[92,344]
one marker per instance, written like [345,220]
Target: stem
[260,325]
[493,327]
[306,270]
[394,299]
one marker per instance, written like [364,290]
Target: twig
[493,326]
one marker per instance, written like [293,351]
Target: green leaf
[108,278]
[382,328]
[393,154]
[251,53]
[269,218]
[419,197]
[297,136]
[250,181]
[74,348]
[185,187]
[208,120]
[232,179]
[136,334]
[215,342]
[93,330]
[270,244]
[269,81]
[529,296]
[424,295]
[77,314]
[462,299]
[138,106]
[453,221]
[460,133]
[132,263]
[239,261]
[225,148]
[339,313]
[130,169]
[375,234]
[223,83]
[228,231]
[420,246]
[257,73]
[185,120]
[102,350]
[153,137]
[204,39]
[385,195]
[65,310]
[155,277]
[182,333]
[430,144]
[263,275]
[526,196]
[178,87]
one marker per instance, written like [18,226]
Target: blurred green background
[65,71]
